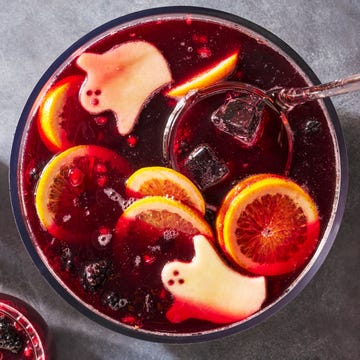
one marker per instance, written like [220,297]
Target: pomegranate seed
[103,230]
[101,120]
[28,352]
[128,319]
[100,168]
[149,259]
[76,177]
[35,342]
[188,20]
[200,39]
[101,180]
[132,140]
[100,136]
[204,52]
[97,92]
[89,93]
[17,327]
[239,75]
[162,294]
[132,35]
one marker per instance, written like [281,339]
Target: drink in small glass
[24,334]
[152,224]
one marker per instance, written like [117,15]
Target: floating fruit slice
[230,196]
[163,214]
[79,192]
[206,78]
[122,80]
[51,113]
[221,295]
[271,227]
[157,180]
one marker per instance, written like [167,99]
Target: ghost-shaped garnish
[207,289]
[122,80]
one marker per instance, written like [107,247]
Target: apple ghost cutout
[122,80]
[207,289]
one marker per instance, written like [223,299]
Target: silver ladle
[287,98]
[241,114]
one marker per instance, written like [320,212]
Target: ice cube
[204,167]
[240,117]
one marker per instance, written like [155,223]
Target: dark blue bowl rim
[151,336]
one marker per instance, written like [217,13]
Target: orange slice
[157,180]
[51,111]
[72,196]
[271,227]
[206,78]
[230,196]
[164,214]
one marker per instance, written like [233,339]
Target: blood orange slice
[271,227]
[157,180]
[230,196]
[79,192]
[206,78]
[51,112]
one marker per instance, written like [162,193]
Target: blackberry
[95,274]
[9,338]
[312,126]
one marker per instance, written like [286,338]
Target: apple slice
[207,289]
[122,80]
[206,78]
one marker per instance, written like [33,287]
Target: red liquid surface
[132,266]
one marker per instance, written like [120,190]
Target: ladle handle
[288,98]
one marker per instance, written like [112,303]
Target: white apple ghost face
[122,80]
[206,288]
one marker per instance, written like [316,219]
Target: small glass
[24,334]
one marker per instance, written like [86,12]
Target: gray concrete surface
[323,322]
